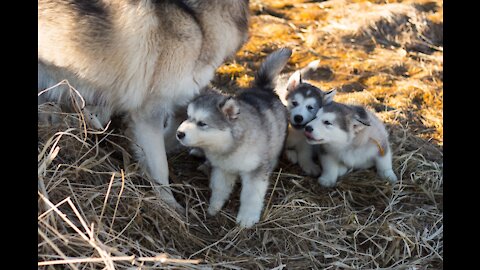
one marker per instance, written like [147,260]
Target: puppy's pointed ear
[294,80]
[360,118]
[328,97]
[229,108]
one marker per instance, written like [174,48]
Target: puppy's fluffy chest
[295,136]
[354,156]
[243,159]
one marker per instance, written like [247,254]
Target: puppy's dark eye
[326,122]
[201,124]
[309,107]
[294,103]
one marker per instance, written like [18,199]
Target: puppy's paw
[342,170]
[388,175]
[197,152]
[247,219]
[291,156]
[167,197]
[205,168]
[310,168]
[327,182]
[96,116]
[92,119]
[213,210]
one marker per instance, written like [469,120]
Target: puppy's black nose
[180,135]
[298,118]
[308,129]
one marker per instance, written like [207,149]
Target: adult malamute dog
[351,138]
[303,101]
[140,57]
[241,135]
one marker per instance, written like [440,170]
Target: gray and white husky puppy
[140,58]
[242,136]
[351,137]
[303,101]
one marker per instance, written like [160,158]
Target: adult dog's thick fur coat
[140,57]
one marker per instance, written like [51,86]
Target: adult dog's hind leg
[149,135]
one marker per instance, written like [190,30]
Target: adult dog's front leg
[149,135]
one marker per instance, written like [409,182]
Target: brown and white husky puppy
[350,137]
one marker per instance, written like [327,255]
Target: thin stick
[271,195]
[106,198]
[160,258]
[51,208]
[85,260]
[118,199]
[164,259]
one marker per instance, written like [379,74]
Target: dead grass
[96,210]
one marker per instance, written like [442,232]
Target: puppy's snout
[298,118]
[308,129]
[180,135]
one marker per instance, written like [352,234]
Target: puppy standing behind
[303,101]
[351,138]
[241,135]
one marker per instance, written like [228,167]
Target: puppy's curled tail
[271,68]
